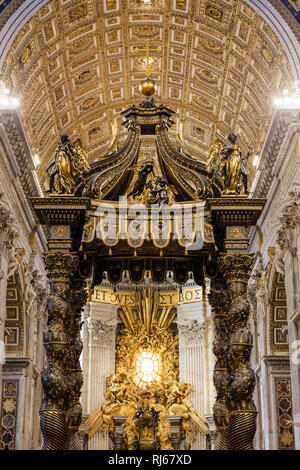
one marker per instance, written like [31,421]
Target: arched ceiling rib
[75,66]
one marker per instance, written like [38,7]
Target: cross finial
[147,50]
[148,64]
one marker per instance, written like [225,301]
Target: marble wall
[23,291]
[196,360]
[275,286]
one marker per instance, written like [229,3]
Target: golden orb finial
[148,86]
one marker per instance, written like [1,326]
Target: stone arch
[272,12]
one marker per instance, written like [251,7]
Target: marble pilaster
[98,361]
[195,358]
[287,257]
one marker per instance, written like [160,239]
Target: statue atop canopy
[68,166]
[158,192]
[233,167]
[213,158]
[146,169]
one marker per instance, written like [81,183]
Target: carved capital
[6,219]
[100,332]
[8,227]
[192,331]
[236,267]
[287,224]
[60,266]
[289,216]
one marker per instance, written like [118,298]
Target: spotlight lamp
[256,160]
[288,100]
[36,159]
[9,102]
[7,99]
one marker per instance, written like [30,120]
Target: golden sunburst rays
[148,335]
[95,423]
[147,312]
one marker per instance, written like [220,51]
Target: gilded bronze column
[61,376]
[78,297]
[57,386]
[242,421]
[219,302]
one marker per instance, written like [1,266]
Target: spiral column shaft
[219,302]
[242,420]
[61,376]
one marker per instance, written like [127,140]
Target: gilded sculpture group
[228,162]
[70,164]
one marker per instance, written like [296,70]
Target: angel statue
[69,165]
[158,193]
[233,167]
[213,158]
[139,185]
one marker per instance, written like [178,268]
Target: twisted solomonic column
[57,385]
[242,421]
[219,302]
[78,297]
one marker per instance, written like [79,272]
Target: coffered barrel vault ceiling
[75,65]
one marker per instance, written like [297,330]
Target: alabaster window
[148,367]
